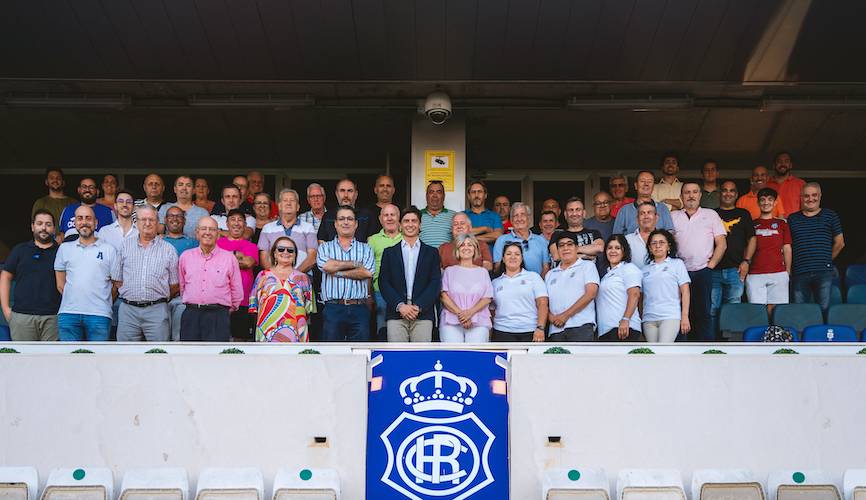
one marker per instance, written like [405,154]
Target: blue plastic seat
[855,275]
[756,334]
[829,333]
[835,295]
[857,294]
[736,318]
[853,315]
[797,316]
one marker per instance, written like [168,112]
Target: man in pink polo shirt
[788,186]
[210,286]
[701,240]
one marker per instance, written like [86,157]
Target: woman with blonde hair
[466,296]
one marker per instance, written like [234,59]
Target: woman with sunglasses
[466,295]
[282,297]
[618,295]
[665,287]
[520,298]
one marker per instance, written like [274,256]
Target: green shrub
[309,351]
[862,351]
[82,351]
[557,350]
[232,350]
[8,350]
[641,350]
[156,350]
[714,351]
[785,350]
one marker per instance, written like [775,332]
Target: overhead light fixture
[813,103]
[80,101]
[649,103]
[252,101]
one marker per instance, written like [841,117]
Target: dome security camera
[437,107]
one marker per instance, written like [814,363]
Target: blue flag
[437,426]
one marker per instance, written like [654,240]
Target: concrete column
[449,137]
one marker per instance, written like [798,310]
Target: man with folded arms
[146,276]
[210,285]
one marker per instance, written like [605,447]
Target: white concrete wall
[613,411]
[450,136]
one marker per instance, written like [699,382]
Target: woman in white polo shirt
[665,290]
[618,295]
[520,298]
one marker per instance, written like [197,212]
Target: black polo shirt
[33,273]
[328,231]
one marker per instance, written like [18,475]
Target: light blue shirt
[410,263]
[535,253]
[334,287]
[88,277]
[661,289]
[487,218]
[626,218]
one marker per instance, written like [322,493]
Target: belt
[346,302]
[143,304]
[206,306]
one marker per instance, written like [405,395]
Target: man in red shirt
[767,282]
[788,186]
[618,189]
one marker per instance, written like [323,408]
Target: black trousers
[611,336]
[500,336]
[205,325]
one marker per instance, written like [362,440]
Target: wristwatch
[539,327]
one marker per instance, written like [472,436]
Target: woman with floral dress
[282,297]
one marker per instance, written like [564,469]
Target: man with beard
[668,188]
[346,193]
[788,186]
[486,224]
[749,201]
[56,200]
[87,192]
[82,269]
[115,233]
[31,266]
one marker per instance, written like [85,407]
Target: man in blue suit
[409,280]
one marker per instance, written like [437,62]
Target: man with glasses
[145,275]
[210,285]
[183,190]
[618,188]
[87,192]
[123,228]
[316,201]
[32,315]
[347,266]
[175,221]
[602,222]
[535,255]
[571,287]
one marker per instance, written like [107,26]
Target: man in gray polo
[146,277]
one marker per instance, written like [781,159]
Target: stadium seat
[836,295]
[856,294]
[155,484]
[18,483]
[801,485]
[837,276]
[646,484]
[854,484]
[243,483]
[83,483]
[717,484]
[797,316]
[306,484]
[855,275]
[756,334]
[571,484]
[829,333]
[853,315]
[734,319]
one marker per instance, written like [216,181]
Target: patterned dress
[281,307]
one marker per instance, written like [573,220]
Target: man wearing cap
[571,287]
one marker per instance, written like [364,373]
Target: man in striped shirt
[347,267]
[816,237]
[435,218]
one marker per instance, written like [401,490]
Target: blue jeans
[346,323]
[380,316]
[814,287]
[727,289]
[81,327]
[701,294]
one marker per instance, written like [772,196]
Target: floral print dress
[281,307]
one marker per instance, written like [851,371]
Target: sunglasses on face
[289,250]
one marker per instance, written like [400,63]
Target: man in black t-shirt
[31,265]
[730,275]
[589,241]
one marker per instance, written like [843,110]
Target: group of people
[656,267]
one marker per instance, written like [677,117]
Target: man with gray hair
[535,255]
[316,201]
[460,223]
[146,277]
[289,224]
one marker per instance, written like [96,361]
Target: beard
[89,198]
[43,237]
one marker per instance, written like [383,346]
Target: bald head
[85,222]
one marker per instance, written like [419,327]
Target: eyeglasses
[658,243]
[89,188]
[345,219]
[124,202]
[261,203]
[600,203]
[174,216]
[562,244]
[289,250]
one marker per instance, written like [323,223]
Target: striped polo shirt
[436,229]
[335,288]
[812,240]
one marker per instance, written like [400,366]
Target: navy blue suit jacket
[425,289]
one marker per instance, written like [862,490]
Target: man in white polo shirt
[571,287]
[83,272]
[231,199]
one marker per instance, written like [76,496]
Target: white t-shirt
[88,277]
[661,289]
[613,297]
[222,219]
[516,311]
[567,286]
[638,249]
